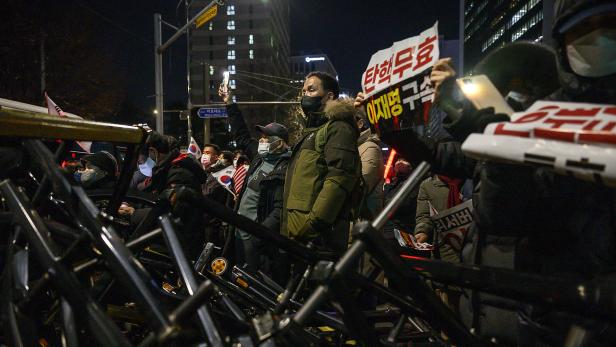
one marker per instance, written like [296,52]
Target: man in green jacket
[324,170]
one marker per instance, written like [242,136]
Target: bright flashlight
[469,88]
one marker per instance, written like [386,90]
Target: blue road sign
[212,112]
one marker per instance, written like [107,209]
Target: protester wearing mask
[171,168]
[209,156]
[213,161]
[585,41]
[260,196]
[172,171]
[531,219]
[324,171]
[142,176]
[101,171]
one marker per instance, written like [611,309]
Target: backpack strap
[320,137]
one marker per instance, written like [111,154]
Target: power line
[255,86]
[108,20]
[278,83]
[265,75]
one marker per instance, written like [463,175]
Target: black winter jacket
[176,169]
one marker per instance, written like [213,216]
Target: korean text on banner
[570,138]
[396,82]
[452,224]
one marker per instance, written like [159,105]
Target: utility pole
[207,123]
[188,103]
[160,47]
[158,67]
[43,72]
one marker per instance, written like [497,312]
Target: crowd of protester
[312,191]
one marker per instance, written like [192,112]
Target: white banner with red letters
[570,138]
[396,82]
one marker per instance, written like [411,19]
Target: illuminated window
[232,84]
[231,25]
[532,21]
[211,70]
[231,40]
[251,39]
[497,35]
[251,54]
[231,69]
[231,54]
[230,10]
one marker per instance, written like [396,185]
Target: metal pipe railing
[16,123]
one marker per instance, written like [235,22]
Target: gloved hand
[313,228]
[468,121]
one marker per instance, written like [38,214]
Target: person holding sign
[324,170]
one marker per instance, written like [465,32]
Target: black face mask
[311,104]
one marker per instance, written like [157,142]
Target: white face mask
[205,159]
[146,167]
[234,162]
[594,54]
[263,148]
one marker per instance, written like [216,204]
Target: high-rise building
[248,38]
[489,24]
[301,65]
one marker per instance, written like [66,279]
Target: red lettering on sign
[385,71]
[500,130]
[424,52]
[369,78]
[403,61]
[558,122]
[531,117]
[610,110]
[578,112]
[549,107]
[591,125]
[609,126]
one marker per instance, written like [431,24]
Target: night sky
[349,32]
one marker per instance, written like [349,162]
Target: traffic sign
[212,112]
[206,16]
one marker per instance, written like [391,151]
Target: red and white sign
[396,83]
[570,138]
[562,121]
[404,59]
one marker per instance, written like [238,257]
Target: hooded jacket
[372,170]
[323,172]
[176,169]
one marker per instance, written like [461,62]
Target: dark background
[99,54]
